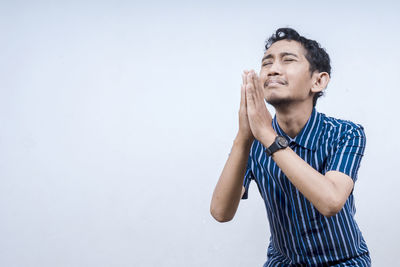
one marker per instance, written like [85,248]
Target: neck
[293,118]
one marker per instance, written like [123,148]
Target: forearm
[316,187]
[228,191]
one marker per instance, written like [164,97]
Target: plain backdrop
[117,117]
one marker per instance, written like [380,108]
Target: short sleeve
[248,176]
[347,154]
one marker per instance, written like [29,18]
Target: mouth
[274,82]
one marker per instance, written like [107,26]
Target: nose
[274,69]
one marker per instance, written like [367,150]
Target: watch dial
[282,141]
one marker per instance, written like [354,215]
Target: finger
[245,72]
[242,97]
[243,103]
[249,91]
[258,89]
[249,98]
[256,85]
[249,79]
[250,83]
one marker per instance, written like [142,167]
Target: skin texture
[286,83]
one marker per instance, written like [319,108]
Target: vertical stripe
[299,233]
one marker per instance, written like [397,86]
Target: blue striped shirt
[300,235]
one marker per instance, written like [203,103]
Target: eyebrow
[281,54]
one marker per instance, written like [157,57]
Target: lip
[274,82]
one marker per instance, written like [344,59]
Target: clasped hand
[255,121]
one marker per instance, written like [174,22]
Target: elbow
[329,212]
[219,216]
[331,207]
[222,219]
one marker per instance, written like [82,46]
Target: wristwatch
[279,143]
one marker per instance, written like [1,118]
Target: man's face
[285,74]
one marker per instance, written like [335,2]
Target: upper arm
[344,163]
[348,152]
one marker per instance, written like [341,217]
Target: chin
[275,101]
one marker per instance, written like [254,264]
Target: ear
[320,81]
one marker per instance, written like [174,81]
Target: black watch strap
[279,143]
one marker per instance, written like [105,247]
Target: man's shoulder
[340,126]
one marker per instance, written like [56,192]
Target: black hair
[315,54]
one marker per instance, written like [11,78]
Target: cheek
[299,77]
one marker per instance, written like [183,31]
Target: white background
[116,119]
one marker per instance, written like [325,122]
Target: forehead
[288,46]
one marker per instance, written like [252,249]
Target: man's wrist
[243,141]
[268,138]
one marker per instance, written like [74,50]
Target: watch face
[282,141]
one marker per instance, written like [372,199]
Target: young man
[303,162]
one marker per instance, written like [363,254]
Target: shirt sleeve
[348,152]
[247,178]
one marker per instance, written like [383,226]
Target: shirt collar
[310,133]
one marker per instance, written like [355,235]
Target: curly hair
[316,56]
